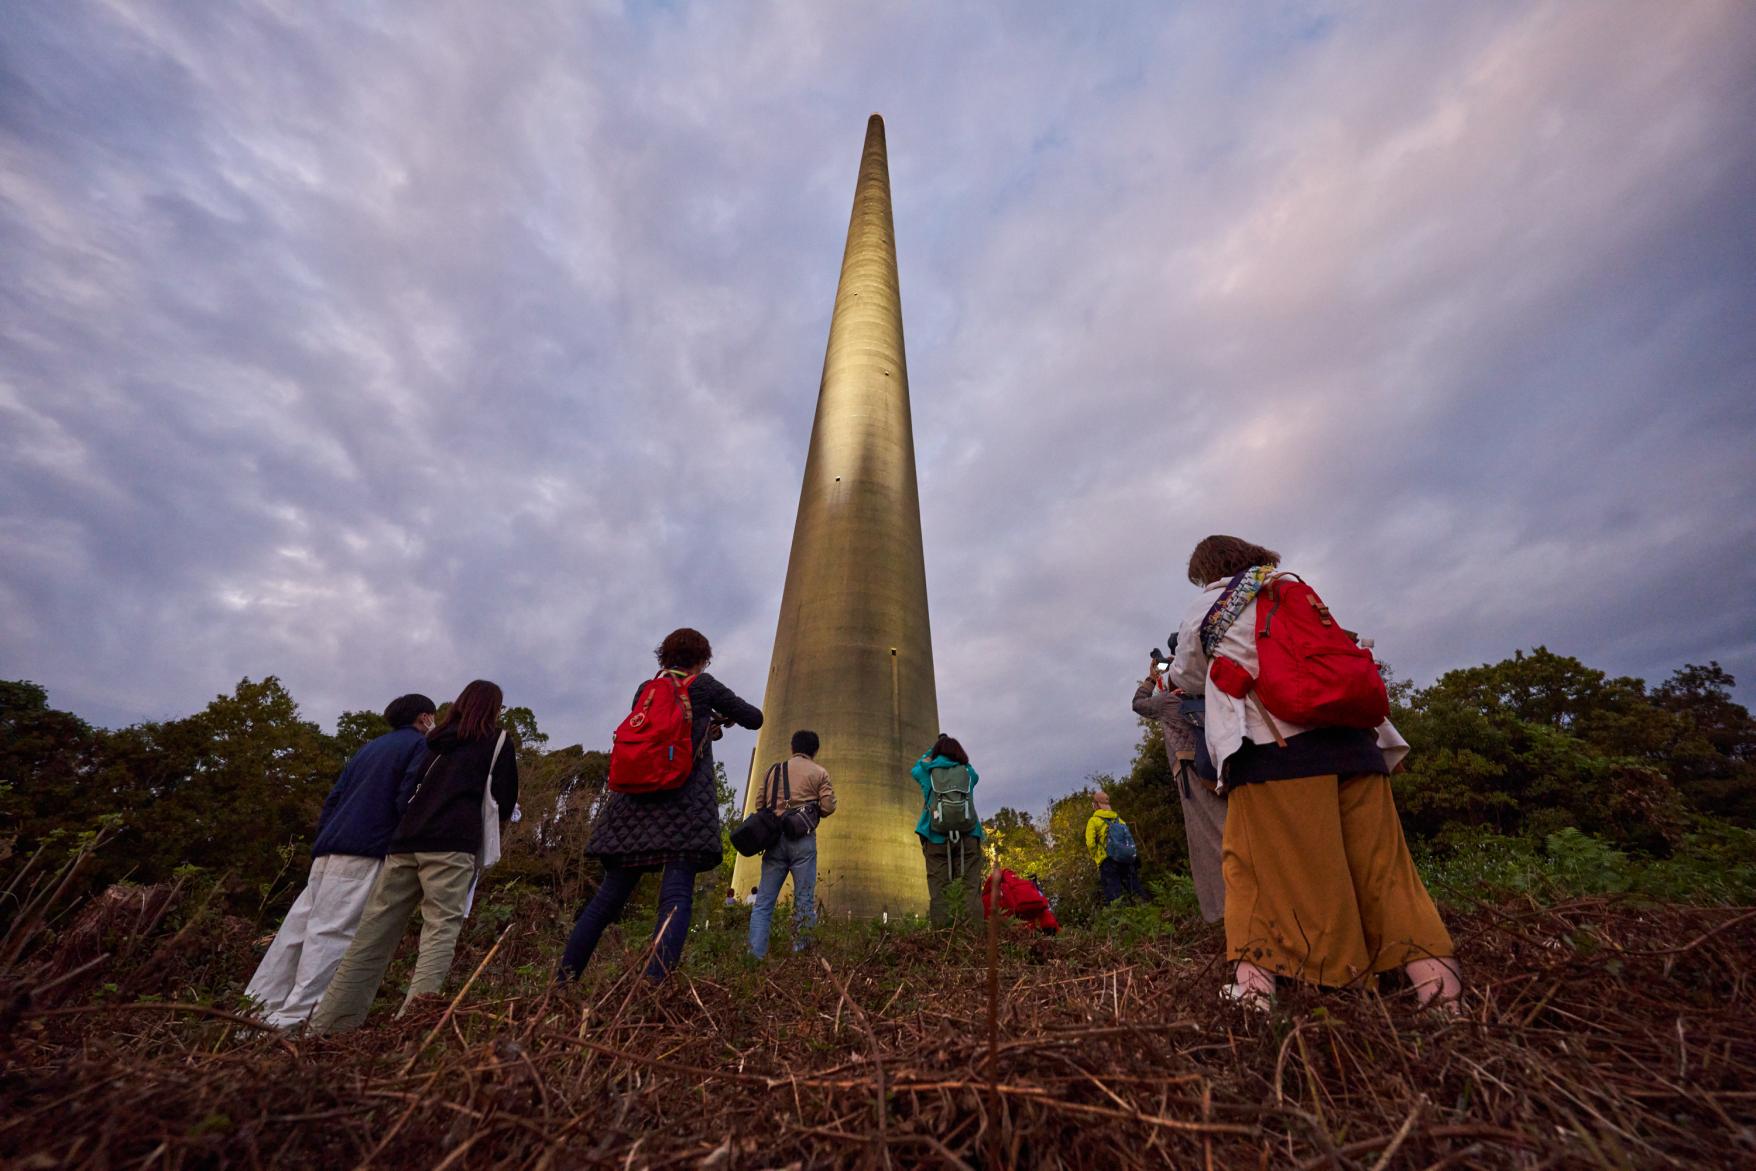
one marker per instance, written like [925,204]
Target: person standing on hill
[950,831]
[674,831]
[1204,811]
[353,832]
[799,791]
[1318,879]
[470,772]
[1110,842]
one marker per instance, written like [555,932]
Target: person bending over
[432,858]
[353,833]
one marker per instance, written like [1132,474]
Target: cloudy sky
[380,347]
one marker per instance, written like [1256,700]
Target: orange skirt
[1319,882]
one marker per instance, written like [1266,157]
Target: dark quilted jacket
[683,822]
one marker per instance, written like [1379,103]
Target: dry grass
[1597,1034]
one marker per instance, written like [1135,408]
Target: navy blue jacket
[362,810]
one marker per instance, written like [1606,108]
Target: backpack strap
[1262,710]
[776,773]
[431,765]
[681,683]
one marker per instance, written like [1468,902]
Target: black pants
[676,900]
[1116,879]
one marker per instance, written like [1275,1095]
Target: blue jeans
[797,857]
[676,903]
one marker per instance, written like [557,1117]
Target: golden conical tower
[853,655]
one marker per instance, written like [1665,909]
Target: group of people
[412,822]
[415,817]
[1293,836]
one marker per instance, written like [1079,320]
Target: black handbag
[801,822]
[762,828]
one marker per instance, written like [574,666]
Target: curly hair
[1216,558]
[682,649]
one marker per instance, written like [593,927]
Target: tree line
[1524,748]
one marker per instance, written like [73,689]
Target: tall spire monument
[853,655]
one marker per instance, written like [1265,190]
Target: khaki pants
[1204,821]
[964,863]
[438,884]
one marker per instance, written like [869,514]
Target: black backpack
[763,828]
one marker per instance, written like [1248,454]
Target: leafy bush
[1714,864]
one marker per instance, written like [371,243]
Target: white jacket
[1231,721]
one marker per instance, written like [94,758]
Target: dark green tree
[1713,756]
[224,788]
[1016,841]
[1538,743]
[354,730]
[48,762]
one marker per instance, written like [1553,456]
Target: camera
[1160,660]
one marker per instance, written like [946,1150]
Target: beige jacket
[809,782]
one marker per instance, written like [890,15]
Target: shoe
[1252,999]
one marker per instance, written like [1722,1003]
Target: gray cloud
[380,353]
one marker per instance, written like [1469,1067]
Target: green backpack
[951,809]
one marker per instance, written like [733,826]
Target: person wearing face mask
[467,776]
[353,833]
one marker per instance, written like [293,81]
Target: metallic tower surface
[853,656]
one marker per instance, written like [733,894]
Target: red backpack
[1018,896]
[653,749]
[1021,898]
[1312,671]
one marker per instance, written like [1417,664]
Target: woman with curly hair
[674,833]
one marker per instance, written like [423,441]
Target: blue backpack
[1119,842]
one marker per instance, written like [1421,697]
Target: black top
[445,811]
[1345,752]
[644,829]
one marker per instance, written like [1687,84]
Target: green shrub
[1715,863]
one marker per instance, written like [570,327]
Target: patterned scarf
[1239,592]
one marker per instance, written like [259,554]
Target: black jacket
[445,810]
[681,822]
[363,808]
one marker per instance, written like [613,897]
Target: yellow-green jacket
[1097,834]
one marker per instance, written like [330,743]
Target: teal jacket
[924,766]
